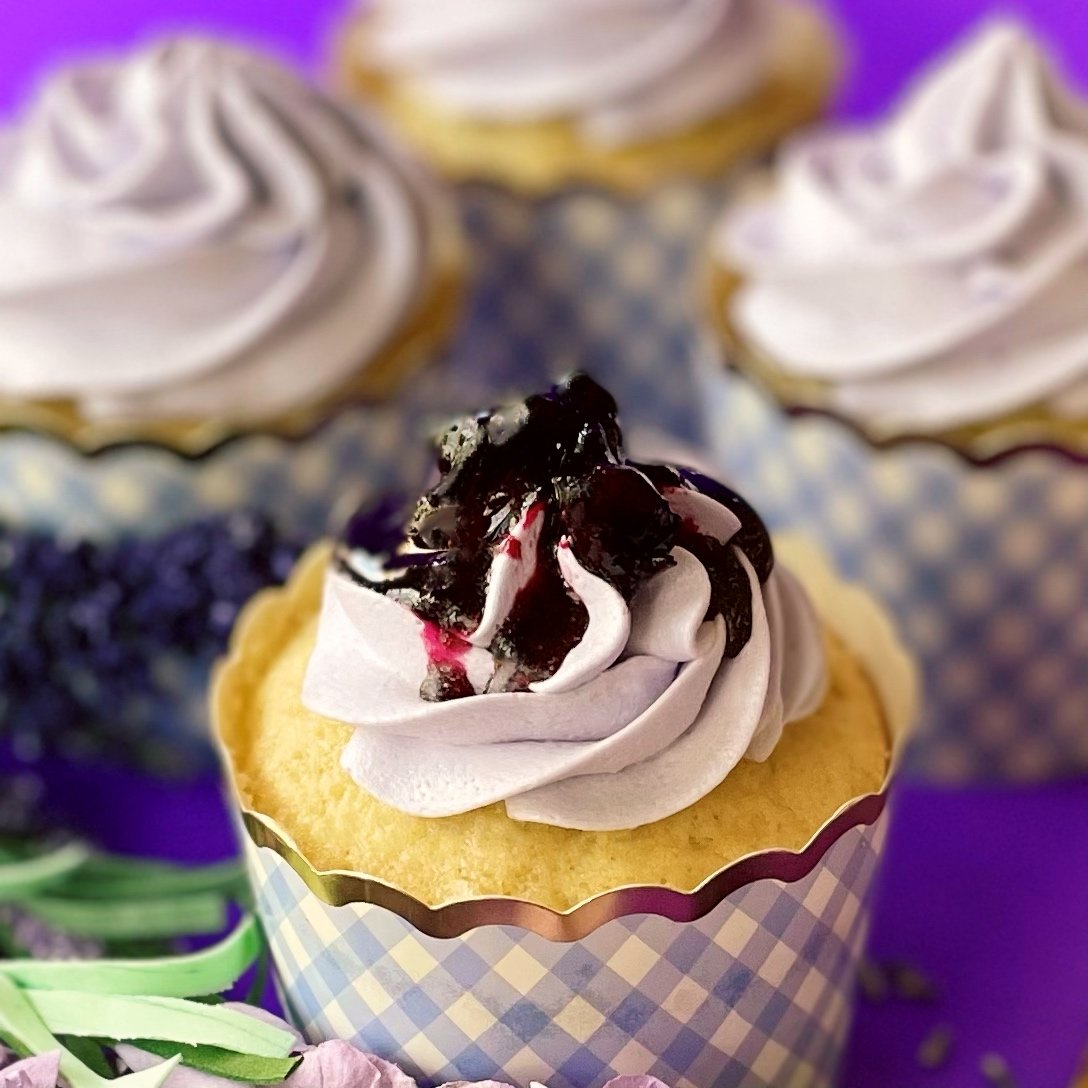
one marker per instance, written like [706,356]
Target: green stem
[20,1022]
[118,878]
[111,1016]
[19,879]
[109,920]
[209,971]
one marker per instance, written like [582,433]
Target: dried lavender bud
[909,984]
[996,1071]
[873,981]
[934,1051]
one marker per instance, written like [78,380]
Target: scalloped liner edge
[895,677]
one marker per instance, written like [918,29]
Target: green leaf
[89,1052]
[18,879]
[208,971]
[225,1063]
[21,1023]
[111,1016]
[260,978]
[120,878]
[12,1043]
[113,919]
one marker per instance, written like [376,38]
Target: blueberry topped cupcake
[537,94]
[197,237]
[562,690]
[928,276]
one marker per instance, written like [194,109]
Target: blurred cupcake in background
[218,294]
[594,138]
[911,297]
[536,96]
[572,741]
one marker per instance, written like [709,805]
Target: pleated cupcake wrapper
[984,565]
[747,979]
[307,484]
[587,279]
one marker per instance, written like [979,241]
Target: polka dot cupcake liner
[985,567]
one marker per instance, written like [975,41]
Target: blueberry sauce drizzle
[559,454]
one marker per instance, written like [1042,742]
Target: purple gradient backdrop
[889,37]
[985,890]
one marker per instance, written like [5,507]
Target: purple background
[986,891]
[889,37]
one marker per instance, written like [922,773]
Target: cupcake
[217,294]
[561,774]
[540,95]
[593,142]
[908,300]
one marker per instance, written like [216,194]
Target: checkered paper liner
[984,566]
[587,279]
[307,484]
[747,979]
[756,992]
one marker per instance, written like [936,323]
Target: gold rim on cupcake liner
[1033,429]
[427,325]
[537,158]
[851,612]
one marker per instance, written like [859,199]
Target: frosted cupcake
[594,140]
[537,95]
[918,286]
[214,281]
[555,738]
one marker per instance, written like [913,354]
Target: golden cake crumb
[287,766]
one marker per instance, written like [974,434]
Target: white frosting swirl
[195,231]
[644,716]
[933,270]
[623,70]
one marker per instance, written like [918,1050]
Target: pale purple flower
[332,1064]
[40,1071]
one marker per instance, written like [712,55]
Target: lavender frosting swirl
[193,231]
[622,69]
[593,641]
[933,270]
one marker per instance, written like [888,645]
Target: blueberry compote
[557,456]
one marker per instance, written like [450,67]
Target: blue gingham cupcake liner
[756,992]
[985,566]
[308,484]
[587,279]
[747,980]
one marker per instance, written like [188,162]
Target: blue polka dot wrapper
[984,565]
